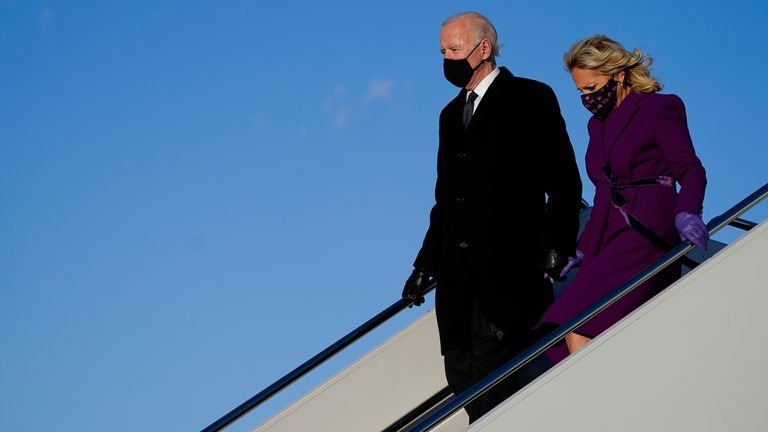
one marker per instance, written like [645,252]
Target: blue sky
[199,196]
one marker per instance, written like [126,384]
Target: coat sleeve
[585,238]
[428,257]
[674,139]
[560,177]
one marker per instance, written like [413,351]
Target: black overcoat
[508,188]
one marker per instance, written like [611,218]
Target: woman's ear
[619,76]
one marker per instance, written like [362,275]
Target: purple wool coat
[645,136]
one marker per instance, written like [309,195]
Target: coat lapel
[489,98]
[617,121]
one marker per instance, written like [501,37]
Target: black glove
[554,262]
[415,285]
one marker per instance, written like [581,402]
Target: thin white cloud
[258,120]
[330,101]
[342,117]
[343,111]
[46,15]
[379,89]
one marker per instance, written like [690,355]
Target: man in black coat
[508,195]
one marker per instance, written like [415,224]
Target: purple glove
[692,228]
[572,262]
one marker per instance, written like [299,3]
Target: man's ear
[487,49]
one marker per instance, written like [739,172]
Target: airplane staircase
[692,358]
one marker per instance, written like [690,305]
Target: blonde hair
[609,57]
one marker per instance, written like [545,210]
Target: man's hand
[554,262]
[415,285]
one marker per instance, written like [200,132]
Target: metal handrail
[442,396]
[424,408]
[512,366]
[338,346]
[742,224]
[312,363]
[319,359]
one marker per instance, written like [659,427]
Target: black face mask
[459,72]
[601,101]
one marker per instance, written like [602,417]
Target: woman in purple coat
[639,151]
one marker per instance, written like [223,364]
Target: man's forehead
[454,31]
[456,26]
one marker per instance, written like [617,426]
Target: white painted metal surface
[376,390]
[695,358]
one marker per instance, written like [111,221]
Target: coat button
[459,199]
[463,245]
[462,155]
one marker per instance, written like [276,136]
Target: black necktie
[469,107]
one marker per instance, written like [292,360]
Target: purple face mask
[600,102]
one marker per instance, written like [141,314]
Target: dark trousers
[463,369]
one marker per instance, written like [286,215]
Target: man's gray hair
[481,28]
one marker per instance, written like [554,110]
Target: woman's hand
[572,263]
[692,228]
